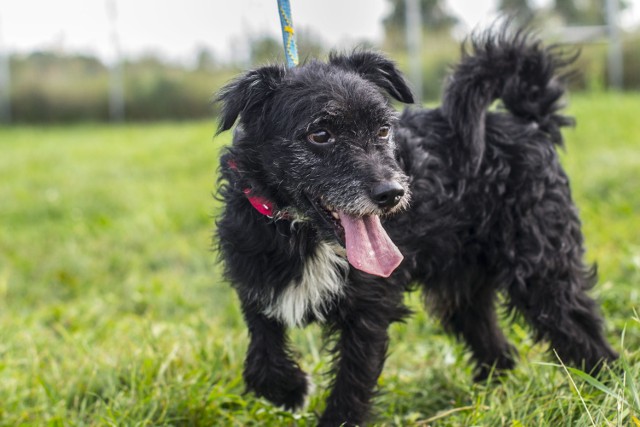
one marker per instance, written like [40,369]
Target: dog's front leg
[269,369]
[360,354]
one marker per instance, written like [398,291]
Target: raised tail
[512,66]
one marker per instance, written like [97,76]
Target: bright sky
[177,28]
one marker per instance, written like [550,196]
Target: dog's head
[320,138]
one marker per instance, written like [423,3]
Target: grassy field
[113,310]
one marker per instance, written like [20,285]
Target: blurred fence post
[615,45]
[5,81]
[116,93]
[413,28]
[116,77]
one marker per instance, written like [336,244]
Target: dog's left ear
[378,70]
[247,93]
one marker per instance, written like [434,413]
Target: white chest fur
[322,283]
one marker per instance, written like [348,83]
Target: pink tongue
[369,248]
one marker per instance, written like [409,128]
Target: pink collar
[263,205]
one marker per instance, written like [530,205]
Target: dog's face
[320,136]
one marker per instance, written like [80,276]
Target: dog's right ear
[247,93]
[378,70]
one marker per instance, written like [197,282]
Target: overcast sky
[176,29]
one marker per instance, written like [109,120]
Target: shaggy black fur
[476,201]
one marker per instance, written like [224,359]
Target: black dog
[324,179]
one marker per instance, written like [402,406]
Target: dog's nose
[387,194]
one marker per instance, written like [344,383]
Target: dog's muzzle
[367,244]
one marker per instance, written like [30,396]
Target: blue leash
[288,39]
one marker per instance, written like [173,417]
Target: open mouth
[369,248]
[332,218]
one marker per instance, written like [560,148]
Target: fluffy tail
[516,68]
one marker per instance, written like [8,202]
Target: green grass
[113,310]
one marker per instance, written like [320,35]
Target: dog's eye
[320,137]
[384,132]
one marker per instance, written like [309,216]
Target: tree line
[61,87]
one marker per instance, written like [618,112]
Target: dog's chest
[320,285]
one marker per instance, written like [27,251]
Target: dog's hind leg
[557,306]
[473,320]
[269,369]
[550,280]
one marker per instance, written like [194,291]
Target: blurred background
[143,60]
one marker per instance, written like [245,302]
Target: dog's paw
[288,388]
[336,420]
[498,368]
[606,357]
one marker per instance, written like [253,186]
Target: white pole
[116,80]
[5,82]
[616,61]
[413,20]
